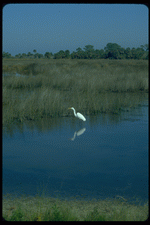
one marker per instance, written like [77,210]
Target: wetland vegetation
[34,89]
[54,209]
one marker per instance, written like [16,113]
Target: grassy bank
[53,209]
[48,87]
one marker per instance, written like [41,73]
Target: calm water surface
[106,156]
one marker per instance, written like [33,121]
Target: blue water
[106,156]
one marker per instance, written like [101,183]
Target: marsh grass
[48,87]
[53,209]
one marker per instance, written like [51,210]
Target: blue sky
[55,27]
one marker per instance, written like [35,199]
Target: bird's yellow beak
[69,108]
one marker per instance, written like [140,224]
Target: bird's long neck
[74,112]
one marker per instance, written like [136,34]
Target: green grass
[53,209]
[49,87]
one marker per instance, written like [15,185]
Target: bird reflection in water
[78,133]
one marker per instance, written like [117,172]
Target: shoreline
[41,208]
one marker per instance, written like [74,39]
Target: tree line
[111,51]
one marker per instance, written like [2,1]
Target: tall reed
[46,88]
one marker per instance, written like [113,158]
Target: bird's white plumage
[78,115]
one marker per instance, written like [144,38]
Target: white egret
[78,115]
